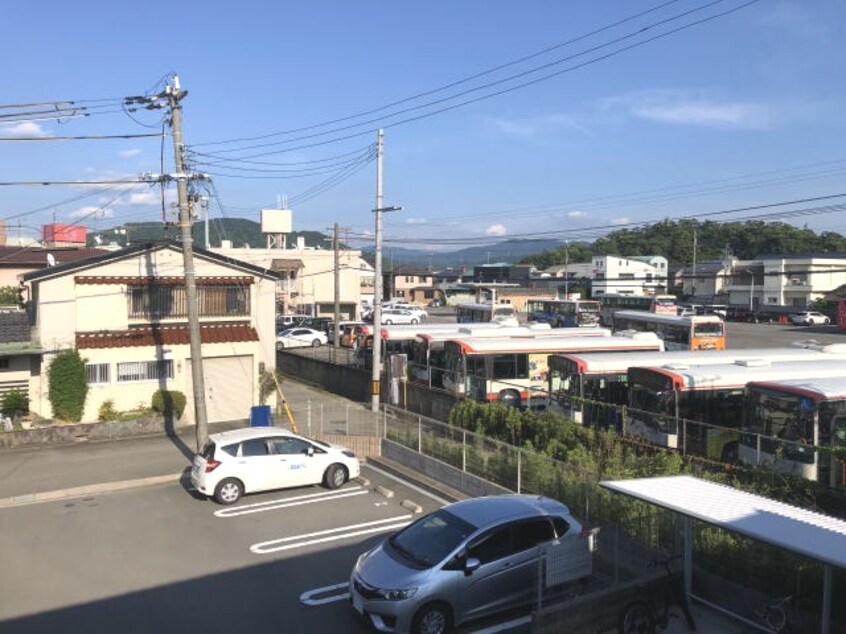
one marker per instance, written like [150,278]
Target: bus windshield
[714,329]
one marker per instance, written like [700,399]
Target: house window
[626,276]
[159,301]
[4,363]
[144,370]
[96,373]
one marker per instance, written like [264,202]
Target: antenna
[51,260]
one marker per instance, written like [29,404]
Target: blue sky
[742,110]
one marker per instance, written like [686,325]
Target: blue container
[260,416]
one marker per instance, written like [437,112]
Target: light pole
[376,375]
[751,289]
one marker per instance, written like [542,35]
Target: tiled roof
[37,256]
[160,281]
[144,336]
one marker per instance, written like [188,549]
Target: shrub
[169,403]
[14,403]
[67,386]
[107,411]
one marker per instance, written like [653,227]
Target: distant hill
[239,231]
[510,251]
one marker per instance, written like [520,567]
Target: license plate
[356,601]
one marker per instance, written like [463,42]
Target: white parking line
[299,500]
[306,597]
[503,627]
[329,535]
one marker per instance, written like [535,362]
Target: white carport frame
[810,534]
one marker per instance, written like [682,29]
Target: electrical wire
[91,137]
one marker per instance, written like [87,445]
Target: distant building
[636,275]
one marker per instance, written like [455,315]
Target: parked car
[398,316]
[467,560]
[289,320]
[241,461]
[420,312]
[809,318]
[300,338]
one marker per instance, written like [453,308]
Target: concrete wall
[352,383]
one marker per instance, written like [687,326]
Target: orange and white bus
[515,371]
[695,332]
[610,303]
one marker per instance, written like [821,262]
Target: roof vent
[753,363]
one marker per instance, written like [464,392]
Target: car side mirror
[471,565]
[309,452]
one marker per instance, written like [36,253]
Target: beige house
[126,314]
[307,278]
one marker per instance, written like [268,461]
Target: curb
[89,489]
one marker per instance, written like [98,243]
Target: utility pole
[376,375]
[566,269]
[174,94]
[337,327]
[693,285]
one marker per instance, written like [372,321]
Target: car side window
[290,446]
[255,447]
[561,526]
[529,534]
[492,546]
[232,449]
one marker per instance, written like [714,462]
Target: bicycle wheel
[636,618]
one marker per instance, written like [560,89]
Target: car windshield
[430,539]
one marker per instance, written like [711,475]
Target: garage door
[229,387]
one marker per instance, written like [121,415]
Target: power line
[91,137]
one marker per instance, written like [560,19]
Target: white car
[255,459]
[396,316]
[300,338]
[809,318]
[420,312]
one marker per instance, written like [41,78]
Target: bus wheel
[511,398]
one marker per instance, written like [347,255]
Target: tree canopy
[674,240]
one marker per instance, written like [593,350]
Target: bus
[784,422]
[696,332]
[660,398]
[504,314]
[564,313]
[610,303]
[400,339]
[514,371]
[427,358]
[580,383]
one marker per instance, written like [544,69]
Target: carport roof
[807,533]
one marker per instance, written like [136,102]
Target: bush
[14,403]
[169,403]
[67,386]
[107,411]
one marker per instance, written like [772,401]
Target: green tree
[67,385]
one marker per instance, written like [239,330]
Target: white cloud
[130,153]
[677,107]
[25,129]
[496,230]
[415,221]
[621,221]
[141,198]
[91,212]
[576,214]
[537,127]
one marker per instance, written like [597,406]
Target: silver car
[467,560]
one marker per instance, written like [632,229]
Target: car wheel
[511,398]
[280,345]
[228,491]
[434,618]
[414,321]
[387,322]
[636,618]
[315,343]
[334,476]
[826,321]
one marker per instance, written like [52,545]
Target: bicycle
[774,615]
[651,612]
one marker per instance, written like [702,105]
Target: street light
[751,289]
[376,375]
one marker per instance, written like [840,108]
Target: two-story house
[126,313]
[635,275]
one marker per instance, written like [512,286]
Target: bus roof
[535,330]
[644,315]
[829,388]
[408,331]
[484,306]
[738,374]
[606,362]
[617,341]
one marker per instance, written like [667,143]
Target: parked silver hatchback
[465,561]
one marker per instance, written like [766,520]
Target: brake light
[211,465]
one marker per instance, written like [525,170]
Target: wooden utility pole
[174,94]
[337,327]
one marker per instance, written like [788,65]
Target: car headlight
[397,595]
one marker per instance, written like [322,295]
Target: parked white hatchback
[256,459]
